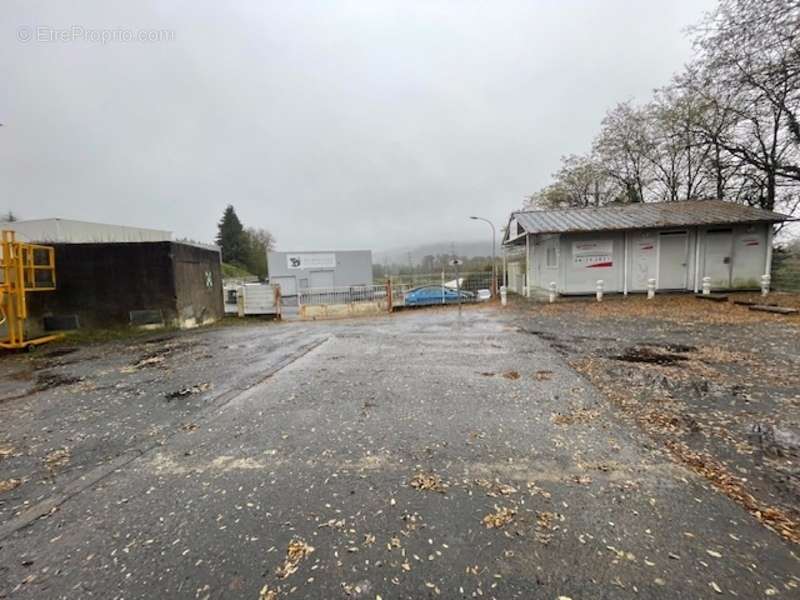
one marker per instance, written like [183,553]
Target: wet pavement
[412,456]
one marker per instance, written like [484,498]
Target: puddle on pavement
[663,354]
[55,353]
[46,381]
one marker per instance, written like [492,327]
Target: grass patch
[111,334]
[231,271]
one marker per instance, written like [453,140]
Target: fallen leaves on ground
[6,451]
[545,523]
[428,482]
[511,375]
[733,487]
[495,488]
[295,552]
[267,594]
[579,415]
[679,308]
[145,362]
[57,458]
[6,485]
[501,517]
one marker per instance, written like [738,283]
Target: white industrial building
[675,243]
[300,271]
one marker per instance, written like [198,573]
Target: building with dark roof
[675,243]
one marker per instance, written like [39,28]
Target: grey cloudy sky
[332,124]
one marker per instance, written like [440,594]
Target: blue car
[436,294]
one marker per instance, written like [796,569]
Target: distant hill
[463,249]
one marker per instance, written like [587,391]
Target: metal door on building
[321,279]
[288,284]
[673,260]
[718,256]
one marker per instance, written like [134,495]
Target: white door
[719,248]
[644,266]
[673,257]
[749,257]
[321,279]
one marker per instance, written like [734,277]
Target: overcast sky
[335,125]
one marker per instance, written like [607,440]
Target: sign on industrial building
[315,260]
[593,254]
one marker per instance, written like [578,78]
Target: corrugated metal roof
[82,232]
[643,216]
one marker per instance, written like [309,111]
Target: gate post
[706,286]
[278,301]
[651,288]
[389,295]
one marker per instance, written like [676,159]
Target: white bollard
[651,288]
[503,295]
[765,281]
[706,286]
[552,292]
[599,293]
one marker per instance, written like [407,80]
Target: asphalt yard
[419,455]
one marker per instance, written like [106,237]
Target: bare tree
[677,152]
[727,127]
[622,146]
[750,57]
[580,182]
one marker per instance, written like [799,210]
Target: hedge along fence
[786,271]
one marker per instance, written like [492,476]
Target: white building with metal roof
[675,243]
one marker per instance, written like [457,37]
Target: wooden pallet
[712,297]
[781,310]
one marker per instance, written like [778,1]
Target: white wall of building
[734,256]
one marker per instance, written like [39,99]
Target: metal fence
[786,272]
[342,295]
[470,282]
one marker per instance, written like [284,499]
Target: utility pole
[494,256]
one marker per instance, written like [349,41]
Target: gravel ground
[716,384]
[413,456]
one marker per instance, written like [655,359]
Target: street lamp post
[494,257]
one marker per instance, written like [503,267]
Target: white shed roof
[643,216]
[56,231]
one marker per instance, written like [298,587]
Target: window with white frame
[551,257]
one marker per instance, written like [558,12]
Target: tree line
[245,248]
[727,127]
[431,265]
